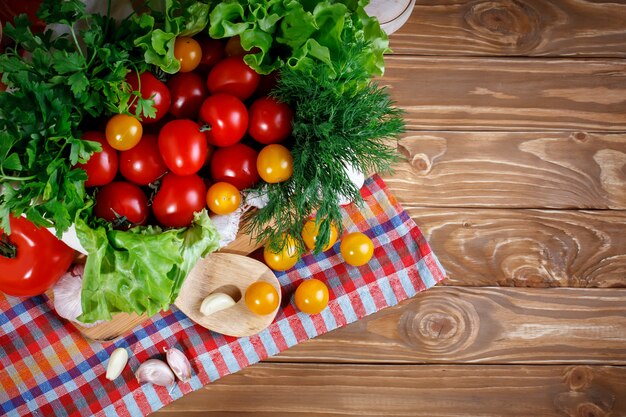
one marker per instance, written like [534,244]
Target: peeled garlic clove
[116,364]
[216,302]
[155,372]
[179,363]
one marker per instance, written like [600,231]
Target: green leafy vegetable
[338,122]
[300,34]
[140,270]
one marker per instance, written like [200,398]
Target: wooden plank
[482,325]
[525,248]
[512,169]
[521,27]
[509,94]
[430,391]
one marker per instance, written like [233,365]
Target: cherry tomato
[234,48]
[311,230]
[275,164]
[356,248]
[188,52]
[120,200]
[261,298]
[233,76]
[188,91]
[123,132]
[227,118]
[212,53]
[270,120]
[183,146]
[223,198]
[150,87]
[178,199]
[285,258]
[31,259]
[236,165]
[267,83]
[311,296]
[102,166]
[143,164]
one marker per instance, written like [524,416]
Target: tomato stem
[7,249]
[205,128]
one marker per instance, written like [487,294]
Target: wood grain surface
[509,94]
[482,325]
[520,27]
[410,390]
[562,170]
[527,248]
[515,170]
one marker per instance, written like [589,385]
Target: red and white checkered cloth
[47,368]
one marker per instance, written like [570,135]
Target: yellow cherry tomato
[275,163]
[223,198]
[357,249]
[261,298]
[283,259]
[123,132]
[311,230]
[311,296]
[188,52]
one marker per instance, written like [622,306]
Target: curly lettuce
[139,270]
[300,34]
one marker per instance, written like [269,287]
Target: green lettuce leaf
[140,270]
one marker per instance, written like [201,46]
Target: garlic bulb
[156,372]
[179,363]
[67,295]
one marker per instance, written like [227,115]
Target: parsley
[57,87]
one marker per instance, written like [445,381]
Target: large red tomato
[150,87]
[123,203]
[188,91]
[31,259]
[102,166]
[227,118]
[270,120]
[233,76]
[236,165]
[183,146]
[212,53]
[178,199]
[143,164]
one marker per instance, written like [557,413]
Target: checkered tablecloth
[47,368]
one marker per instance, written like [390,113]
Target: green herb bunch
[341,119]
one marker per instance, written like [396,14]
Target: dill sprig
[340,121]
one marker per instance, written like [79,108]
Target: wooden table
[516,172]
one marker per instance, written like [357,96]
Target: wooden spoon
[231,274]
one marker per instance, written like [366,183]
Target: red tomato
[31,259]
[227,118]
[122,200]
[183,146]
[143,164]
[236,165]
[233,76]
[178,199]
[212,53]
[102,166]
[149,87]
[270,120]
[267,83]
[188,91]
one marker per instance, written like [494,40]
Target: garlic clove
[156,372]
[216,302]
[179,363]
[116,364]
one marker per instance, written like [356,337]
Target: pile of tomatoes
[214,132]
